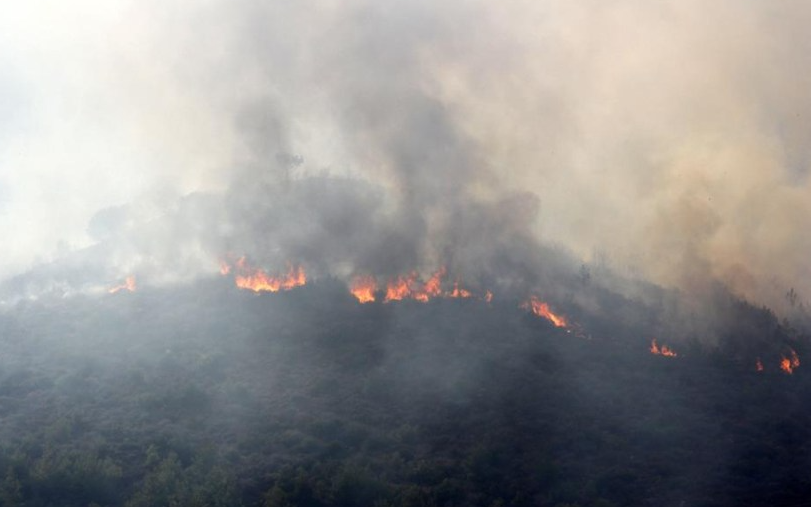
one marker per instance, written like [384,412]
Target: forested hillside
[208,395]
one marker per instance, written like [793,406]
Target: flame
[364,288]
[460,293]
[542,309]
[758,365]
[258,280]
[411,287]
[663,351]
[432,288]
[129,284]
[788,365]
[399,288]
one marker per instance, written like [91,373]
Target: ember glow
[789,364]
[258,280]
[663,351]
[542,309]
[363,288]
[129,285]
[225,268]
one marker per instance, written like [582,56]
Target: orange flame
[411,287]
[460,293]
[399,288]
[431,289]
[258,280]
[364,288]
[542,309]
[788,365]
[129,284]
[758,365]
[488,296]
[663,351]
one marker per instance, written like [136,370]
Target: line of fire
[367,289]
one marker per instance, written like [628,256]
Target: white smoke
[671,136]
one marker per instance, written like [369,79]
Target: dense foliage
[211,396]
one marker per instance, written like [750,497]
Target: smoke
[669,138]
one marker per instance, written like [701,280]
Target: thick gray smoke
[670,138]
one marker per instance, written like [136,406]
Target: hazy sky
[671,136]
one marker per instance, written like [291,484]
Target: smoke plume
[666,139]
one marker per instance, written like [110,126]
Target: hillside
[209,395]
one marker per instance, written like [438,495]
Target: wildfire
[411,287]
[458,292]
[663,351]
[398,288]
[363,288]
[789,364]
[431,289]
[542,309]
[129,285]
[257,280]
[758,365]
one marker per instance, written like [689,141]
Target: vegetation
[209,396]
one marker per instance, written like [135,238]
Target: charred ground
[208,395]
